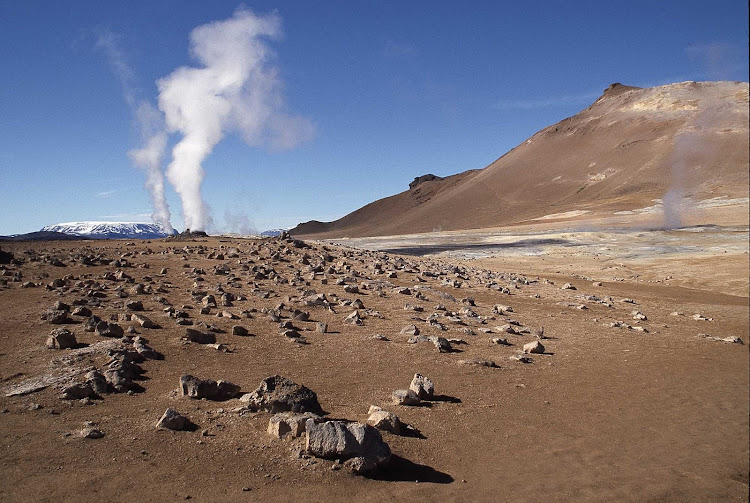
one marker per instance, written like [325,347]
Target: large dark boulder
[279,394]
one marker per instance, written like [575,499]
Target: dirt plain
[606,414]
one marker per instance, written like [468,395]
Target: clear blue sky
[394,90]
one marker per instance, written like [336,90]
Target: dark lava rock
[279,394]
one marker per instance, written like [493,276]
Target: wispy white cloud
[549,102]
[106,193]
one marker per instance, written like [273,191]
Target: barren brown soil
[606,414]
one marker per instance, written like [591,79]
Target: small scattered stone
[533,347]
[173,420]
[404,397]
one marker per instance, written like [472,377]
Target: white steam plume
[236,88]
[151,125]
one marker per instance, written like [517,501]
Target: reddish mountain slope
[630,147]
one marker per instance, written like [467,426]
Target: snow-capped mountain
[111,230]
[272,232]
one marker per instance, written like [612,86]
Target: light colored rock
[422,386]
[404,397]
[173,420]
[290,423]
[410,330]
[384,420]
[534,347]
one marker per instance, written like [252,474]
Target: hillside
[625,152]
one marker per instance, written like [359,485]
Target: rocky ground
[219,369]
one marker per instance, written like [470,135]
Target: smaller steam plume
[151,126]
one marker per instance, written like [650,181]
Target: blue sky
[392,90]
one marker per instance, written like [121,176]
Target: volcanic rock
[61,338]
[209,389]
[279,394]
[344,441]
[173,420]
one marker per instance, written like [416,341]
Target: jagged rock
[97,382]
[91,432]
[568,286]
[134,305]
[384,420]
[279,394]
[81,311]
[291,423]
[109,329]
[144,321]
[422,386]
[199,337]
[441,344]
[91,323]
[209,389]
[143,349]
[410,330]
[347,441]
[61,338]
[78,392]
[291,334]
[534,347]
[500,340]
[173,420]
[56,316]
[239,330]
[404,397]
[354,319]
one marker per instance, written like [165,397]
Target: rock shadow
[402,470]
[444,398]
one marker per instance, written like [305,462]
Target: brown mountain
[625,152]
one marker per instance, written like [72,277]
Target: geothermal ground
[640,393]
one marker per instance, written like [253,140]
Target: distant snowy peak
[273,232]
[110,230]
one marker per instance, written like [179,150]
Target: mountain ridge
[626,151]
[110,230]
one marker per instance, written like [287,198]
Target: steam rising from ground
[151,126]
[235,88]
